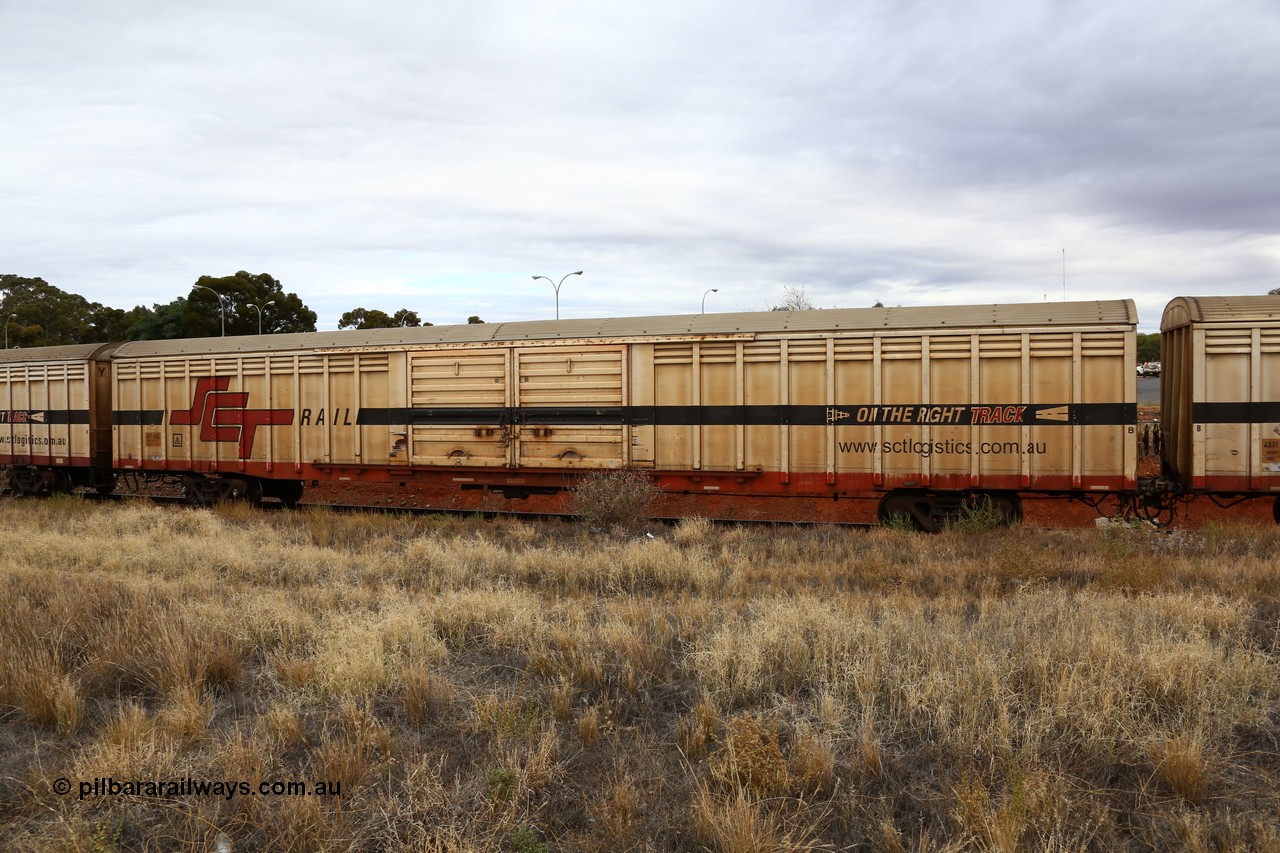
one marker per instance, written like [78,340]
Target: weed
[900,522]
[614,498]
[524,839]
[501,783]
[506,718]
[977,515]
[752,759]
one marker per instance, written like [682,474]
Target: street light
[557,287]
[704,298]
[221,306]
[255,306]
[6,328]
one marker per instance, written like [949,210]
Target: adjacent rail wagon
[55,418]
[1220,397]
[922,410]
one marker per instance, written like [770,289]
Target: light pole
[704,298]
[221,306]
[6,328]
[557,287]
[255,306]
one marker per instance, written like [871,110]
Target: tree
[199,314]
[372,318]
[169,321]
[1275,291]
[405,317]
[794,299]
[1148,347]
[474,319]
[114,324]
[242,291]
[363,318]
[40,314]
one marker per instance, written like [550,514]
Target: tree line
[35,313]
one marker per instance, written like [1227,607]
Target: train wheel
[103,484]
[200,490]
[247,489]
[290,493]
[59,482]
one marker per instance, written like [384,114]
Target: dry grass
[509,686]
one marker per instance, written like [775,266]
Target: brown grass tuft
[1181,762]
[426,695]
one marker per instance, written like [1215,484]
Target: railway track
[488,514]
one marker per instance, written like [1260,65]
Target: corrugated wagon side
[253,416]
[927,408]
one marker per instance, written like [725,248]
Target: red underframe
[760,483]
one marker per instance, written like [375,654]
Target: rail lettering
[337,417]
[223,415]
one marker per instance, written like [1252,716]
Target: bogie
[207,491]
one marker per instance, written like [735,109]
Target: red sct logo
[222,415]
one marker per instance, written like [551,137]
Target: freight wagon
[921,409]
[55,418]
[1220,397]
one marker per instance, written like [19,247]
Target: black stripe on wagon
[1082,414]
[137,417]
[1104,414]
[27,417]
[449,416]
[1235,413]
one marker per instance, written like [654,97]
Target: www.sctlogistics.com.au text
[224,789]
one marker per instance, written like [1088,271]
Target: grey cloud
[927,151]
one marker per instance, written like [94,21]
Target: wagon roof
[756,323]
[1251,310]
[761,323]
[69,352]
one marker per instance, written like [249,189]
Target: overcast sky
[436,155]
